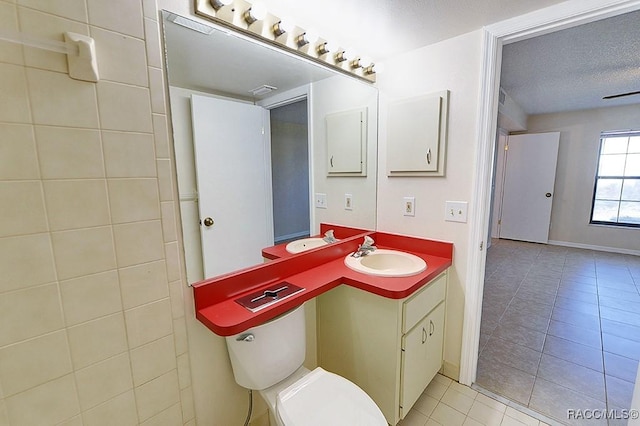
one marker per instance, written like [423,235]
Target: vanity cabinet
[391,348]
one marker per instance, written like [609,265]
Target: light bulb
[259,11]
[219,4]
[281,27]
[311,36]
[342,55]
[324,48]
[255,13]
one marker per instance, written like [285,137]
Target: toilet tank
[267,354]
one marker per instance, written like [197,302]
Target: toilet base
[270,394]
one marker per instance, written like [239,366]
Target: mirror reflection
[268,146]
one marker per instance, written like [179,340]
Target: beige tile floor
[560,328]
[448,403]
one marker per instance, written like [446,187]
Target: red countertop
[317,271]
[339,232]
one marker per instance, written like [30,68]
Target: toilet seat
[322,398]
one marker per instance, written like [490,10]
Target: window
[616,196]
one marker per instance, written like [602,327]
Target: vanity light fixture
[219,4]
[323,48]
[281,27]
[341,56]
[369,69]
[253,20]
[256,12]
[302,40]
[307,37]
[366,64]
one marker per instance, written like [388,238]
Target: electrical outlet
[348,201]
[321,200]
[455,211]
[409,206]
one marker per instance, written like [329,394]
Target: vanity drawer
[423,302]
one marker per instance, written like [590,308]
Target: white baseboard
[592,247]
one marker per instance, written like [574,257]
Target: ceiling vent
[263,90]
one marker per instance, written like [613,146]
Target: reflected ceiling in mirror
[230,64]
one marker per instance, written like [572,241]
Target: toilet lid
[321,398]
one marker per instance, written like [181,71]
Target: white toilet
[269,358]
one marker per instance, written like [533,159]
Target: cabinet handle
[432,328]
[429,156]
[331,161]
[424,335]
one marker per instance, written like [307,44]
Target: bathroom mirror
[236,196]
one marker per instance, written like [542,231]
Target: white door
[233,183]
[530,174]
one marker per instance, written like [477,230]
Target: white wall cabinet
[417,135]
[347,143]
[390,348]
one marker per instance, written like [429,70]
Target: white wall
[576,170]
[339,94]
[454,65]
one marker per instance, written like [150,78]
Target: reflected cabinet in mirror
[252,145]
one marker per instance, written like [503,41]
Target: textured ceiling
[573,69]
[383,28]
[232,66]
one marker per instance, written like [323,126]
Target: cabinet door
[346,142]
[435,341]
[413,371]
[416,134]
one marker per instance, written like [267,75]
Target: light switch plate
[455,211]
[321,200]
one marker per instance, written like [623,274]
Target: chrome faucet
[328,237]
[365,248]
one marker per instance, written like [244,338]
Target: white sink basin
[305,244]
[387,263]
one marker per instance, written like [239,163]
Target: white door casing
[230,143]
[529,178]
[543,21]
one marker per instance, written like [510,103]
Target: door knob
[208,221]
[548,194]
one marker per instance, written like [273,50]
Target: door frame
[540,22]
[286,98]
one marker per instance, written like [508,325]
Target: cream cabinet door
[413,374]
[346,142]
[435,341]
[417,135]
[421,357]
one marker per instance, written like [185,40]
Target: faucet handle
[329,237]
[368,241]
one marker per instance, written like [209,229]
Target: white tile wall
[91,331]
